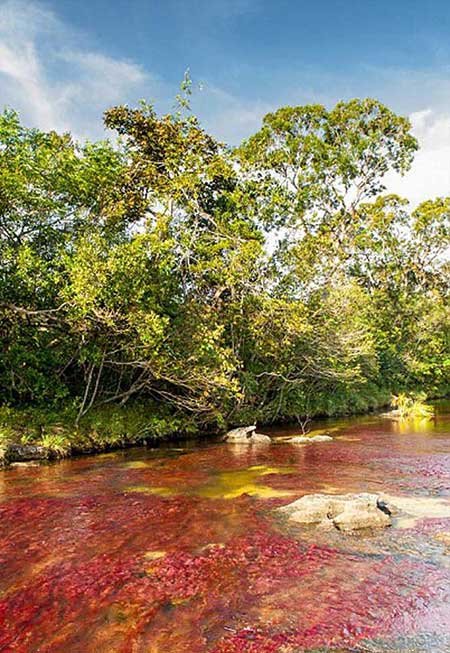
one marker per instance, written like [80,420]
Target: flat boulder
[246,435]
[345,512]
[356,516]
[305,439]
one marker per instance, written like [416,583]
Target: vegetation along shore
[161,282]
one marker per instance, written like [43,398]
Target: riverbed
[179,549]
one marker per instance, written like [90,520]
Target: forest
[164,273]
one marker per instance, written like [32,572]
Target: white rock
[305,439]
[246,435]
[354,518]
[346,512]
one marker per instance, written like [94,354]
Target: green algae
[136,464]
[149,489]
[233,484]
[154,554]
[225,485]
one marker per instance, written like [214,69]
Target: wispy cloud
[56,82]
[58,79]
[228,117]
[23,79]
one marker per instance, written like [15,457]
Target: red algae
[181,552]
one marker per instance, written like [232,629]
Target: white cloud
[429,176]
[56,79]
[22,76]
[231,119]
[53,79]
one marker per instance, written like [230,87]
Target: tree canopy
[267,281]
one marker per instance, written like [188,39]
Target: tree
[266,282]
[51,192]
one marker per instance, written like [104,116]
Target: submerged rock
[29,463]
[305,439]
[412,509]
[346,512]
[444,538]
[246,435]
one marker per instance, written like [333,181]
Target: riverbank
[37,434]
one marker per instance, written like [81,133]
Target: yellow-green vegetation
[210,284]
[149,489]
[56,444]
[101,429]
[226,485]
[412,406]
[232,484]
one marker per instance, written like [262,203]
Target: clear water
[179,550]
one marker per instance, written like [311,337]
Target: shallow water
[178,550]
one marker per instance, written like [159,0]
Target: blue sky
[254,46]
[62,62]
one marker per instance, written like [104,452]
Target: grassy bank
[36,432]
[39,433]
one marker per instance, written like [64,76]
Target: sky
[63,62]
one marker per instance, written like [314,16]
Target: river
[178,549]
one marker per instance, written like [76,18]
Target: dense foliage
[265,282]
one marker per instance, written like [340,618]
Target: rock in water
[312,509]
[346,512]
[260,438]
[356,516]
[305,439]
[246,435]
[240,433]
